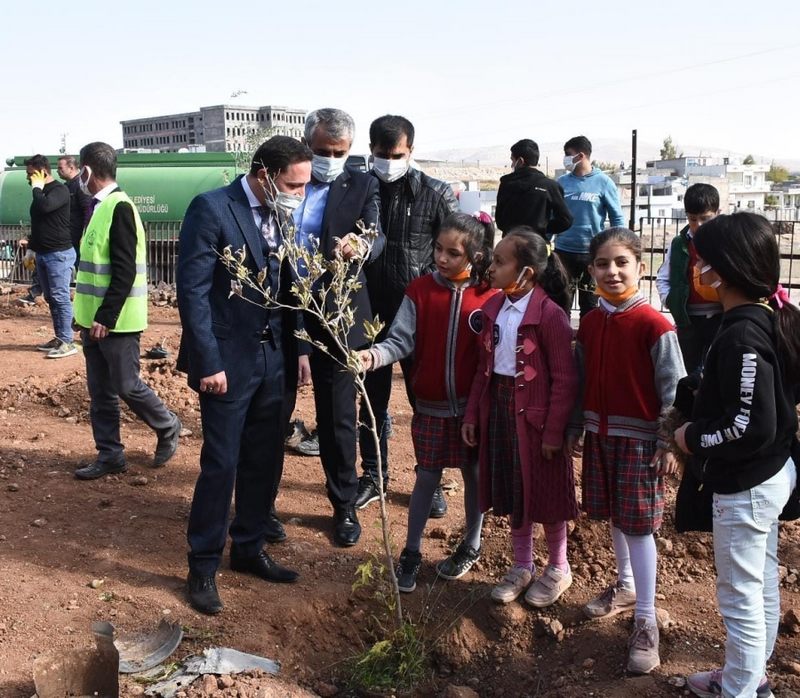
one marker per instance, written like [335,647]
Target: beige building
[219,128]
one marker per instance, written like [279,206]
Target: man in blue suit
[336,199]
[239,356]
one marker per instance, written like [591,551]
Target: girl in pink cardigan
[518,409]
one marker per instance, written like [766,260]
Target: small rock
[792,621]
[225,681]
[139,480]
[135,690]
[96,583]
[793,668]
[677,681]
[459,692]
[64,411]
[326,690]
[438,533]
[549,627]
[663,620]
[105,503]
[12,487]
[664,545]
[185,432]
[209,683]
[698,550]
[294,521]
[39,523]
[588,663]
[71,420]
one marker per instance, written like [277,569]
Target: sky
[469,74]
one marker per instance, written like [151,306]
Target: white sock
[625,576]
[643,561]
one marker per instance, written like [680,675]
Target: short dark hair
[38,162]
[101,157]
[277,153]
[700,198]
[526,149]
[69,159]
[387,130]
[580,144]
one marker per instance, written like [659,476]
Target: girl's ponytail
[787,333]
[555,281]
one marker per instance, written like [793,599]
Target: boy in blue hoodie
[591,196]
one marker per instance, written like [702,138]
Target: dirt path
[58,534]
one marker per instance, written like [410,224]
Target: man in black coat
[413,207]
[528,197]
[336,199]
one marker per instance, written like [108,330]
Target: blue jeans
[746,556]
[55,274]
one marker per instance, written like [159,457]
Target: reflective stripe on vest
[94,270]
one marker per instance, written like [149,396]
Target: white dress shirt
[508,322]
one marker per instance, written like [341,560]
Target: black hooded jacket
[528,197]
[744,419]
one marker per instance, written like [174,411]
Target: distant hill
[614,150]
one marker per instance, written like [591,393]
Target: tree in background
[749,160]
[605,166]
[669,151]
[777,173]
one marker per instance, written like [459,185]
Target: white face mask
[327,169]
[390,170]
[568,164]
[288,202]
[85,185]
[713,284]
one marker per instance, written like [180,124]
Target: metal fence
[162,252]
[656,234]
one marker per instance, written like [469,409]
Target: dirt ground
[57,534]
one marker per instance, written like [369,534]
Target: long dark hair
[743,250]
[477,234]
[532,250]
[622,236]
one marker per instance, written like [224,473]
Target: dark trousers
[580,280]
[696,339]
[335,402]
[379,391]
[242,453]
[112,373]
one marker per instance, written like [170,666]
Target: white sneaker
[548,588]
[513,584]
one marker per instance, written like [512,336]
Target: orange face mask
[516,286]
[618,297]
[708,293]
[463,275]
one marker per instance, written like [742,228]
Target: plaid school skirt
[438,443]
[550,488]
[619,484]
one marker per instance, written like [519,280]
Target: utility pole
[633,180]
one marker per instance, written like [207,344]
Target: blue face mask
[327,169]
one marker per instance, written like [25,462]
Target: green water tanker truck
[160,184]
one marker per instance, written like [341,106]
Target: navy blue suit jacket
[221,333]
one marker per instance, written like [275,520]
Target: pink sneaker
[708,684]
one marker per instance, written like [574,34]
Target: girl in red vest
[518,408]
[632,363]
[433,323]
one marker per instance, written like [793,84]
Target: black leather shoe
[275,532]
[202,593]
[346,530]
[262,565]
[99,468]
[439,504]
[167,443]
[367,492]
